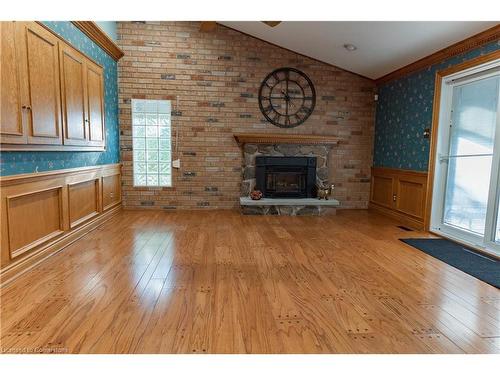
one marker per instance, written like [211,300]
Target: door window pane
[474,117]
[151,142]
[467,192]
[472,137]
[497,231]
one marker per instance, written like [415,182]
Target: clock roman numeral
[268,109]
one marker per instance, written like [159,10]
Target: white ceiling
[382,46]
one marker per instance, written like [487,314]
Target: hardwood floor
[219,282]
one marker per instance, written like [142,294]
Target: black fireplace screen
[286,177]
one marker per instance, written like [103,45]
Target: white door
[465,206]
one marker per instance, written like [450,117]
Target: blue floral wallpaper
[404,110]
[14,162]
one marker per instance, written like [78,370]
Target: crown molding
[465,45]
[94,32]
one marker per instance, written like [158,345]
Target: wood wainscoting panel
[381,190]
[41,213]
[111,191]
[33,218]
[410,197]
[83,198]
[400,194]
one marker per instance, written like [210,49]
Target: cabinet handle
[87,121]
[26,107]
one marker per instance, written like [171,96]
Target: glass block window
[151,142]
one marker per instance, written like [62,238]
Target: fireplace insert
[286,176]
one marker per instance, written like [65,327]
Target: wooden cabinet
[95,100]
[52,94]
[400,194]
[73,88]
[38,65]
[11,115]
[83,100]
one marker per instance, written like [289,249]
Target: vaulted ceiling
[382,47]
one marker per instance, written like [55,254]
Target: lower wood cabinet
[400,194]
[43,212]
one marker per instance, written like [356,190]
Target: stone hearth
[288,206]
[285,145]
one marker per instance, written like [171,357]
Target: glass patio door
[467,176]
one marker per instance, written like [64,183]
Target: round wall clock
[287,97]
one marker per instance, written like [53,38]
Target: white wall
[109,27]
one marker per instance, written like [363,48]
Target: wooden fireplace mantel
[270,138]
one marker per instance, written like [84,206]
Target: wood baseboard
[12,271]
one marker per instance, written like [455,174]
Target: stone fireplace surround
[284,145]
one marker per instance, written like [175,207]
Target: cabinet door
[74,92]
[95,92]
[11,112]
[39,67]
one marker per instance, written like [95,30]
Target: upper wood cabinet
[11,115]
[95,100]
[38,63]
[74,94]
[52,94]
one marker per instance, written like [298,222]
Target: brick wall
[216,77]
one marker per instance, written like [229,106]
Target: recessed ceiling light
[350,47]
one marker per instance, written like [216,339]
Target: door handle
[445,158]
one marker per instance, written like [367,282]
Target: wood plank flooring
[220,282]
